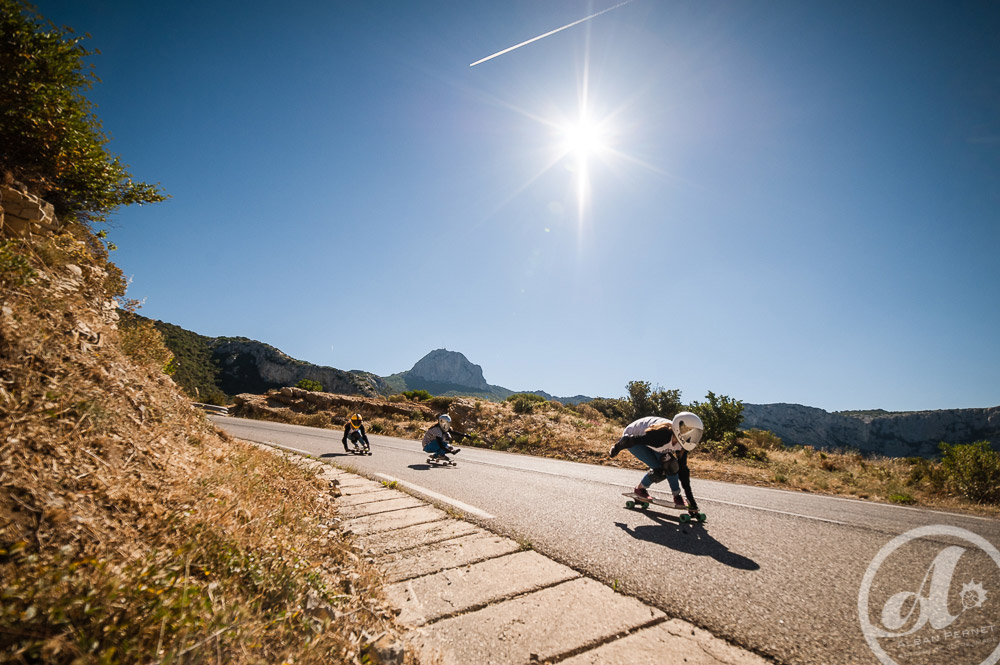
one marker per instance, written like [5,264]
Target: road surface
[774,571]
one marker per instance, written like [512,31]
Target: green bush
[523,403]
[440,403]
[417,395]
[50,138]
[764,439]
[972,470]
[643,401]
[531,397]
[902,498]
[309,384]
[618,409]
[15,270]
[722,415]
[732,446]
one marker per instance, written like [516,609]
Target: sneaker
[679,501]
[641,491]
[454,451]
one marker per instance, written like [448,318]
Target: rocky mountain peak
[450,367]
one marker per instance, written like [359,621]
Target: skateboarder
[437,440]
[663,446]
[355,430]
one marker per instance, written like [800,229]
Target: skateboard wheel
[685,518]
[702,517]
[630,504]
[645,505]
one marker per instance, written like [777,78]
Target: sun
[584,138]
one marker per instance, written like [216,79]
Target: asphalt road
[774,571]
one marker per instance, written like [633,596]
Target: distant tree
[309,384]
[638,397]
[618,409]
[644,401]
[50,139]
[722,416]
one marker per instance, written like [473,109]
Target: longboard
[439,461]
[637,502]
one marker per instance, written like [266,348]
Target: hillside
[213,369]
[131,530]
[239,365]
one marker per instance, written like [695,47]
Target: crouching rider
[663,446]
[437,440]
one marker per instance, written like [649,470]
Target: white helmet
[688,429]
[444,422]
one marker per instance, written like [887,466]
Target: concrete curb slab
[394,520]
[370,497]
[684,643]
[458,590]
[453,553]
[537,627]
[377,507]
[420,534]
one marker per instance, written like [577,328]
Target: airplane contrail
[550,32]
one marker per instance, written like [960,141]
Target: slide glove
[613,451]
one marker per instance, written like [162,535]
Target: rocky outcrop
[249,366]
[890,434]
[306,401]
[22,213]
[450,367]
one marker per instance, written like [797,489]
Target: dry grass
[582,434]
[130,529]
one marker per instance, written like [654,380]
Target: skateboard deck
[637,502]
[359,451]
[438,461]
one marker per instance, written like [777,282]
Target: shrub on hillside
[50,138]
[143,343]
[309,384]
[972,470]
[616,409]
[440,403]
[722,415]
[525,402]
[644,401]
[417,395]
[763,439]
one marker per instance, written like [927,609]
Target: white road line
[472,510]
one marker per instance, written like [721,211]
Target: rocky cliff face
[249,366]
[891,434]
[449,367]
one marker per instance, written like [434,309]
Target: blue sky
[785,201]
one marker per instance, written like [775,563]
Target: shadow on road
[690,539]
[343,455]
[424,467]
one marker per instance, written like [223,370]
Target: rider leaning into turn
[437,440]
[355,430]
[663,446]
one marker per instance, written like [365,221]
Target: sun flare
[584,138]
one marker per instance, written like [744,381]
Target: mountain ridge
[232,365]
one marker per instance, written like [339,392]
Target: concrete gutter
[471,596]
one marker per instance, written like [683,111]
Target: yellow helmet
[356,420]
